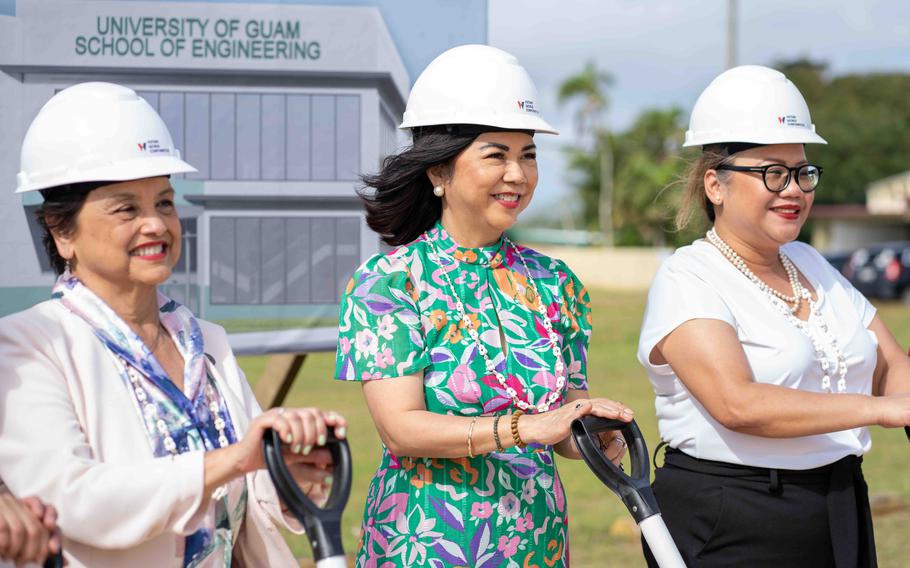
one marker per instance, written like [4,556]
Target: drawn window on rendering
[282,260]
[298,129]
[262,136]
[171,108]
[183,285]
[388,134]
[197,117]
[223,260]
[222,125]
[188,254]
[274,113]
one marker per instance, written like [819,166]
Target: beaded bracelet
[515,436]
[471,435]
[499,447]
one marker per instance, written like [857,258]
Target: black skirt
[723,515]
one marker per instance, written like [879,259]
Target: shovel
[634,489]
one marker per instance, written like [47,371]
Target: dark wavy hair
[399,200]
[58,213]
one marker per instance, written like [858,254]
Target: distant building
[890,196]
[280,107]
[884,217]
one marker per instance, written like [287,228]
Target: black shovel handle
[323,524]
[633,488]
[54,560]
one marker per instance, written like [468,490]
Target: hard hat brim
[139,168]
[801,136]
[530,122]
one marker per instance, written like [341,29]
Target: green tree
[647,166]
[589,87]
[864,118]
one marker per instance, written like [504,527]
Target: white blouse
[698,282]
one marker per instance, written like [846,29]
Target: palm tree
[590,87]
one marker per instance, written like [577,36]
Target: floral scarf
[185,417]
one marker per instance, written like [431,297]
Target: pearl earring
[439,191]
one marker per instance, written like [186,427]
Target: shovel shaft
[332,562]
[660,542]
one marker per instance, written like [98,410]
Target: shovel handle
[633,488]
[54,560]
[323,524]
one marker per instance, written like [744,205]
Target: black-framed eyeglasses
[777,176]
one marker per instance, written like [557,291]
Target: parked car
[838,259]
[881,270]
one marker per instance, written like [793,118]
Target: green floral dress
[398,317]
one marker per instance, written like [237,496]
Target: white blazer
[71,434]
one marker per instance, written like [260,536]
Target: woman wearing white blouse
[117,405]
[767,365]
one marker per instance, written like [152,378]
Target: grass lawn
[613,372]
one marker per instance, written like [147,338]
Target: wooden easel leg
[278,377]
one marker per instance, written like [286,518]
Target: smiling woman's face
[759,217]
[126,235]
[490,183]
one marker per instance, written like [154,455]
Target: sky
[663,53]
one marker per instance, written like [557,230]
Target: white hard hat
[475,84]
[96,132]
[751,104]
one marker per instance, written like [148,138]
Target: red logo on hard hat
[791,120]
[527,106]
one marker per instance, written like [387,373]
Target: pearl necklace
[739,263]
[150,410]
[822,339]
[560,369]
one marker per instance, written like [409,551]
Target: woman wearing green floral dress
[471,349]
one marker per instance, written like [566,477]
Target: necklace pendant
[530,295]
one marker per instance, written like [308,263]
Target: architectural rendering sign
[280,107]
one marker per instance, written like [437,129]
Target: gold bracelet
[470,435]
[515,436]
[499,447]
